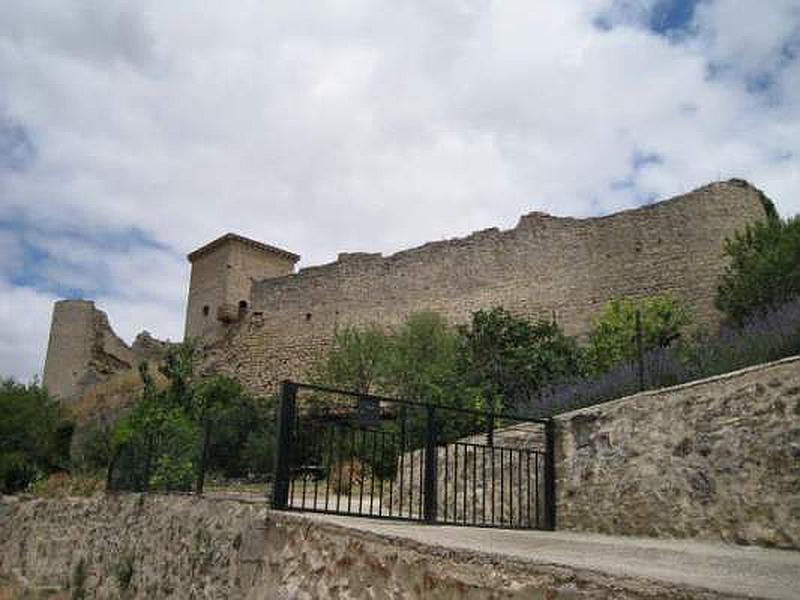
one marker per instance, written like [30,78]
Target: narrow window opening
[206,310]
[308,316]
[242,308]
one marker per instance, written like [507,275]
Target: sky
[134,132]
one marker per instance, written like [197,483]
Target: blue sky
[132,133]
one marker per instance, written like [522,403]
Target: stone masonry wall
[84,350]
[544,267]
[718,458]
[135,546]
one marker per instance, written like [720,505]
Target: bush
[612,339]
[356,359]
[171,433]
[768,337]
[764,270]
[34,435]
[511,359]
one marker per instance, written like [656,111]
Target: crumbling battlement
[258,320]
[544,267]
[84,350]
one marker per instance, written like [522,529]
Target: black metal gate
[348,453]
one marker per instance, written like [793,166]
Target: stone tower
[83,349]
[222,274]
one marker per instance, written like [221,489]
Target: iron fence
[349,453]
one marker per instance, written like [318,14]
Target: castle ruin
[258,320]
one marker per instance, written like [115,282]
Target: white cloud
[366,125]
[25,319]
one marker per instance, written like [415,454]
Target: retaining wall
[133,546]
[717,458]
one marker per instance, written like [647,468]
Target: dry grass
[61,485]
[349,475]
[105,400]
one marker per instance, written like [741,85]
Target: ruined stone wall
[544,267]
[84,350]
[716,458]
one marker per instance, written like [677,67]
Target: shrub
[355,360]
[764,270]
[174,429]
[34,435]
[511,359]
[612,339]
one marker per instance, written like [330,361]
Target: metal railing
[350,453]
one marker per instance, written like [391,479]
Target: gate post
[550,475]
[431,457]
[283,440]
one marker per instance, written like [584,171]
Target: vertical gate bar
[304,475]
[296,454]
[351,460]
[330,465]
[360,462]
[280,487]
[372,472]
[493,484]
[474,483]
[339,466]
[536,492]
[502,481]
[519,489]
[511,486]
[464,489]
[550,476]
[455,483]
[411,485]
[483,485]
[402,468]
[446,478]
[528,481]
[421,495]
[318,459]
[431,458]
[394,467]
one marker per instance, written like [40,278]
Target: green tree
[613,336]
[172,432]
[34,435]
[424,365]
[512,359]
[423,360]
[356,360]
[764,269]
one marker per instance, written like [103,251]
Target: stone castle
[255,318]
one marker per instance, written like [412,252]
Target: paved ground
[737,570]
